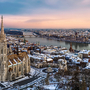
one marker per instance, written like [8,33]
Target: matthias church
[13,65]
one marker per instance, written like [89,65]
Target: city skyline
[45,13]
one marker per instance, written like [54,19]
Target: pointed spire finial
[2,27]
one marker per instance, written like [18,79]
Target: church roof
[13,62]
[14,58]
[9,63]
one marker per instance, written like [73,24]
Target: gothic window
[1,51]
[4,51]
[5,57]
[28,62]
[0,64]
[15,69]
[2,59]
[19,68]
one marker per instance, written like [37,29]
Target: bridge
[22,36]
[25,34]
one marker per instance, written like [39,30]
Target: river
[44,41]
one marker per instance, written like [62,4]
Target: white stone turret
[3,54]
[2,27]
[2,35]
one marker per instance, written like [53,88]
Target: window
[19,68]
[28,63]
[2,59]
[0,64]
[1,51]
[15,69]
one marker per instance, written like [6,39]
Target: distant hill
[14,32]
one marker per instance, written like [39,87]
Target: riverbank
[52,38]
[54,42]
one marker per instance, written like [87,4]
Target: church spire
[2,27]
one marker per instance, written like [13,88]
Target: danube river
[44,41]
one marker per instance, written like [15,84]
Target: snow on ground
[32,72]
[8,84]
[50,87]
[30,89]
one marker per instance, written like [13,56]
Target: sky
[45,13]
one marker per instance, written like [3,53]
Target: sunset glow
[46,13]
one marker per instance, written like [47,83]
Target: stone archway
[13,77]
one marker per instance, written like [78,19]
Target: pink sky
[47,21]
[47,14]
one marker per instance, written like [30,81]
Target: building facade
[18,65]
[14,65]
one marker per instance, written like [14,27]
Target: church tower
[2,27]
[70,49]
[3,54]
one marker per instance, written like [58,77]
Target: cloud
[20,7]
[85,2]
[42,20]
[28,13]
[51,2]
[4,0]
[47,21]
